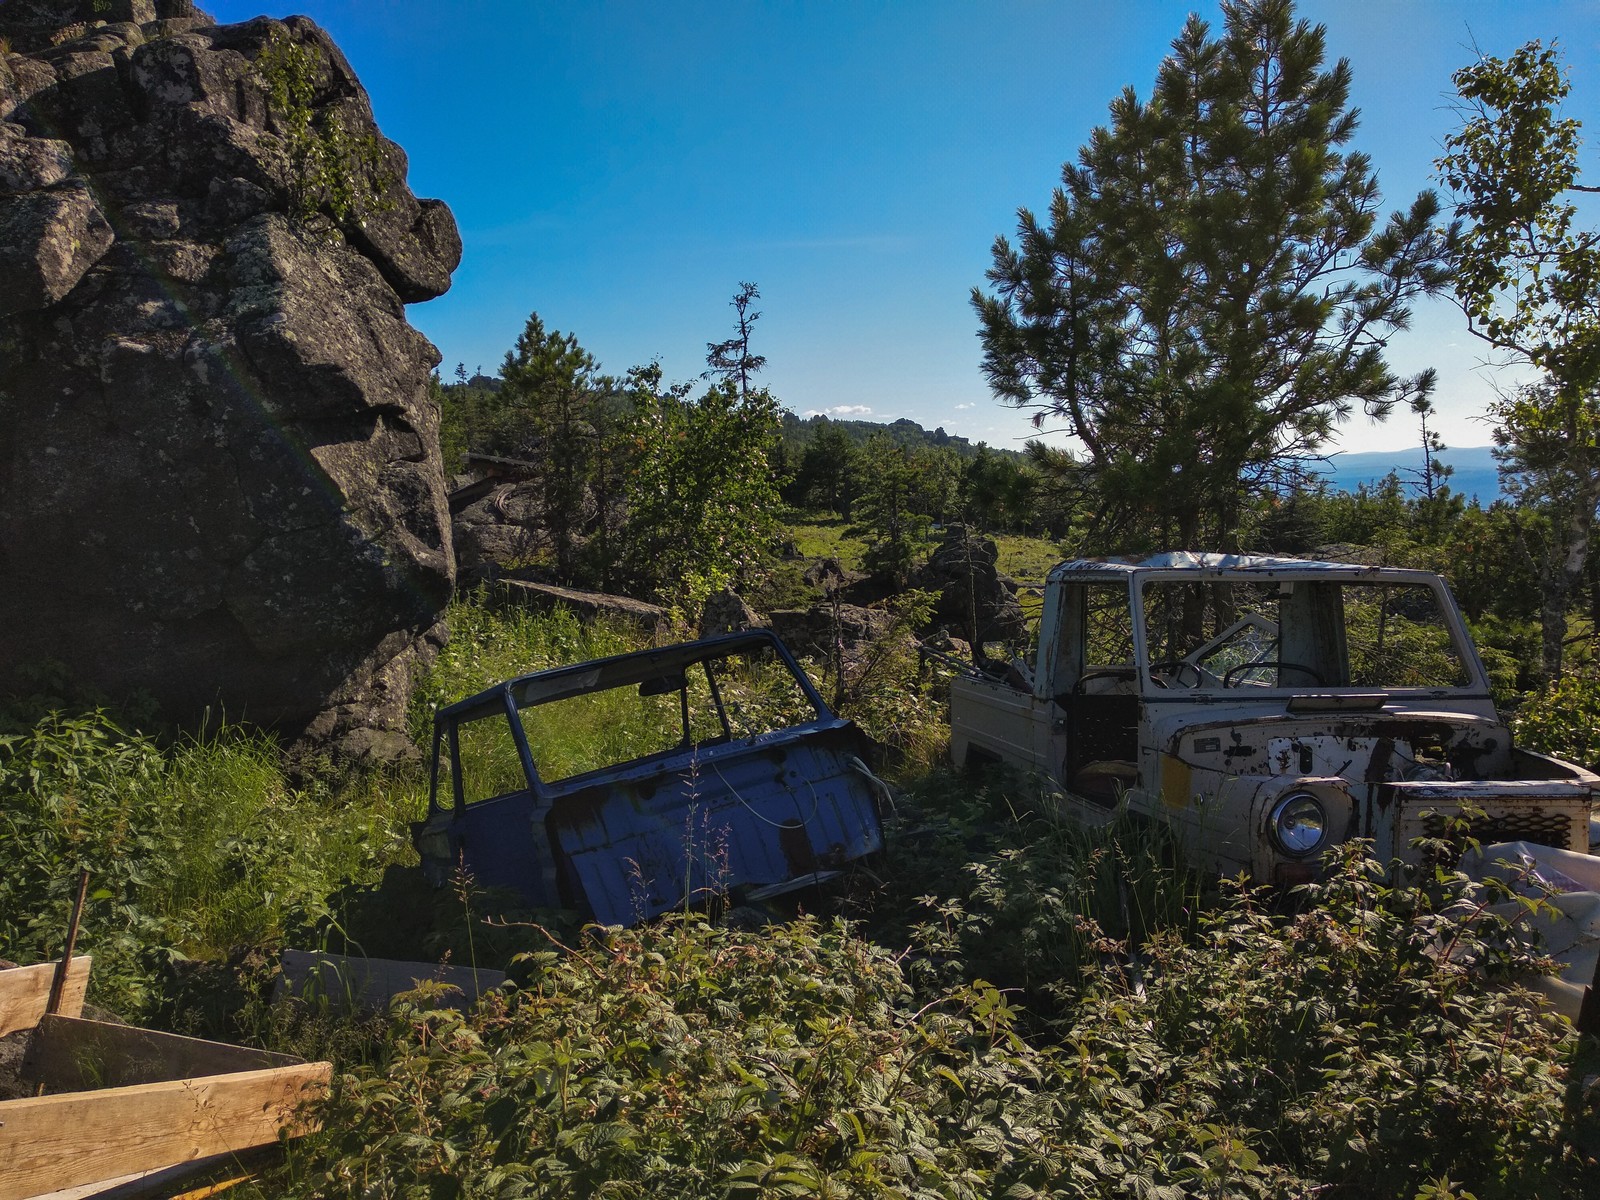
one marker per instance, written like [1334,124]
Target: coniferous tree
[551,412]
[829,472]
[1210,292]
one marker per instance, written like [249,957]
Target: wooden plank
[373,982]
[24,992]
[55,1142]
[71,1054]
[195,1180]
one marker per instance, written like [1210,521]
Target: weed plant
[1365,1048]
[986,878]
[1564,719]
[192,850]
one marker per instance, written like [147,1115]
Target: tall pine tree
[1210,292]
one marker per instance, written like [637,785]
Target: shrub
[684,1060]
[1564,720]
[191,850]
[78,793]
[1366,1047]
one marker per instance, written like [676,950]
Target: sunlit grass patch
[825,536]
[1027,559]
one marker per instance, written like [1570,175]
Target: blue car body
[731,803]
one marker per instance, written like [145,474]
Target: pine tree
[1209,293]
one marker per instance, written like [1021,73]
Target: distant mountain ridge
[1475,473]
[905,432]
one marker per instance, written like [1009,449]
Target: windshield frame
[1476,684]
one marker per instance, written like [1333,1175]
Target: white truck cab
[1269,708]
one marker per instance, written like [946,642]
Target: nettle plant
[1366,1047]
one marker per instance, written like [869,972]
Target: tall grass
[193,850]
[490,645]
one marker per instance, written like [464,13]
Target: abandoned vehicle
[1269,708]
[628,786]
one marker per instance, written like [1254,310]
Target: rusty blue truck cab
[627,786]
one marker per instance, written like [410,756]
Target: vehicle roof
[619,670]
[1120,568]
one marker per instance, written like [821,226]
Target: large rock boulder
[972,599]
[498,533]
[220,480]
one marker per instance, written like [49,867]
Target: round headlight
[1299,824]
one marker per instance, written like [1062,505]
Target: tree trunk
[1563,573]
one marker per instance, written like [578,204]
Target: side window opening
[490,763]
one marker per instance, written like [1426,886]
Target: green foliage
[990,881]
[829,474]
[889,691]
[331,169]
[1059,1011]
[1210,292]
[1563,719]
[1530,284]
[702,499]
[685,1060]
[555,409]
[1362,1048]
[1529,281]
[191,851]
[903,492]
[1350,1050]
[80,794]
[999,491]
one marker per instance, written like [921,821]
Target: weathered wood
[56,1142]
[202,1178]
[68,1054]
[25,991]
[347,982]
[58,982]
[541,597]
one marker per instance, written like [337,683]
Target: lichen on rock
[220,480]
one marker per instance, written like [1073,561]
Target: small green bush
[191,851]
[684,1060]
[1367,1047]
[78,793]
[1564,720]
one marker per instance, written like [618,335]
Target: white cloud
[841,410]
[964,407]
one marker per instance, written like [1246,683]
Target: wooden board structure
[25,991]
[127,1102]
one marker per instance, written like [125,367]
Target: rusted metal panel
[1270,708]
[740,802]
[726,822]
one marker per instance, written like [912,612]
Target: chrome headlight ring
[1299,824]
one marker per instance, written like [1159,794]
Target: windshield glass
[1299,634]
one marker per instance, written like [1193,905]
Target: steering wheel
[1227,676]
[1101,673]
[1175,667]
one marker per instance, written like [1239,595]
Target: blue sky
[620,167]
